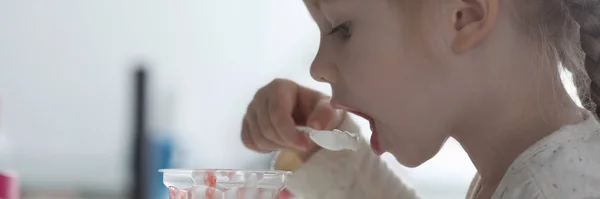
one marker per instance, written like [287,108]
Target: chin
[409,162]
[414,154]
[414,157]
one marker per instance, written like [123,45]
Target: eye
[343,30]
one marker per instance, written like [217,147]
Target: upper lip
[338,105]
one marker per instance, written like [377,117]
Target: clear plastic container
[225,184]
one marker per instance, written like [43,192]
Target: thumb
[324,116]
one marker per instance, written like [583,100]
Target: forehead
[318,2]
[404,4]
[336,7]
[326,4]
[327,9]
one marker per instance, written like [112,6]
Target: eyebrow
[317,7]
[317,3]
[313,3]
[327,1]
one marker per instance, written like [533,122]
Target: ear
[473,20]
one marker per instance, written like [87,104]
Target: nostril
[322,72]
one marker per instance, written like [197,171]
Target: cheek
[385,69]
[396,78]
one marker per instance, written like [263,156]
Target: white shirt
[563,165]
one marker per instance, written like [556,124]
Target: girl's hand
[277,108]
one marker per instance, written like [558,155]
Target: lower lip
[375,141]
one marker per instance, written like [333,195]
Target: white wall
[64,81]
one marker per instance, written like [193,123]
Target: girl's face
[395,64]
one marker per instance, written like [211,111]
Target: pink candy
[8,186]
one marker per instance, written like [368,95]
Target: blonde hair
[569,31]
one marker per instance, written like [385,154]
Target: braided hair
[587,14]
[567,31]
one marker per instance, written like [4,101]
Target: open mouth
[374,137]
[366,117]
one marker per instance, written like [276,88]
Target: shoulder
[563,165]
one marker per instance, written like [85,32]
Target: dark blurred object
[139,131]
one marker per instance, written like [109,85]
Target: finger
[262,144]
[246,139]
[266,127]
[247,130]
[307,101]
[250,139]
[281,117]
[295,99]
[323,116]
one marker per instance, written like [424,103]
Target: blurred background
[68,92]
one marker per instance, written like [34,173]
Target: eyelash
[344,30]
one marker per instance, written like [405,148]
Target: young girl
[485,72]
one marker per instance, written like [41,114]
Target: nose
[323,68]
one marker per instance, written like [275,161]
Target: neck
[495,141]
